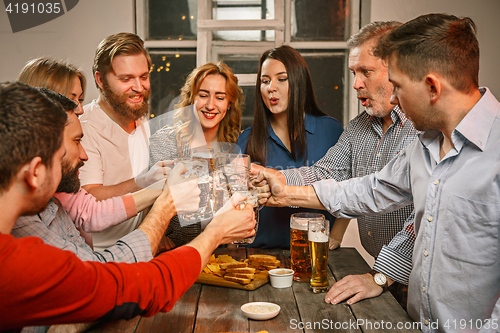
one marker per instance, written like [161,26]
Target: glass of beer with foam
[318,236]
[299,246]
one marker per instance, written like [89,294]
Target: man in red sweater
[43,285]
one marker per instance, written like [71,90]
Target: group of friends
[95,181]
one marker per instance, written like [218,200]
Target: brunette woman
[289,131]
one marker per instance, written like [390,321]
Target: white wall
[73,37]
[484,13]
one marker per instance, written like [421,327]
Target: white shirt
[114,157]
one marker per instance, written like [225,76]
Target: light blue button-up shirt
[455,281]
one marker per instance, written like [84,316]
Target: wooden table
[204,309]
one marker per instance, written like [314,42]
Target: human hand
[234,223]
[232,203]
[157,172]
[358,286]
[184,190]
[333,243]
[272,187]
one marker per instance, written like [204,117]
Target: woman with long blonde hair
[209,115]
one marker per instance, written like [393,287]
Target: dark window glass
[172,20]
[248,107]
[241,63]
[327,73]
[169,69]
[319,20]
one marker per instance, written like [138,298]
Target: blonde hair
[230,125]
[55,75]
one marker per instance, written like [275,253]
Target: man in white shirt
[115,131]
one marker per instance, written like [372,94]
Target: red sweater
[43,285]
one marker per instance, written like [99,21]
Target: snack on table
[263,261]
[242,272]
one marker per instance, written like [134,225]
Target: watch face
[380,279]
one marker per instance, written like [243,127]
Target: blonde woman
[216,99]
[57,76]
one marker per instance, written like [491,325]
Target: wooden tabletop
[205,309]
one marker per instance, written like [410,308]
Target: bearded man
[116,133]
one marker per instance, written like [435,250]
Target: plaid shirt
[363,149]
[56,228]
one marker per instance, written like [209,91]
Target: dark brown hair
[300,100]
[439,43]
[31,125]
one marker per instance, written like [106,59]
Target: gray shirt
[455,281]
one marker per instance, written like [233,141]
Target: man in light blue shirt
[451,174]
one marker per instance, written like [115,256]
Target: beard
[119,103]
[70,183]
[378,107]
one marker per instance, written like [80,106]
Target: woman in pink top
[88,214]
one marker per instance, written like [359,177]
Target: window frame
[209,50]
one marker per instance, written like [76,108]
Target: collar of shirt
[48,215]
[474,127]
[397,116]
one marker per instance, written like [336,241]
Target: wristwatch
[380,279]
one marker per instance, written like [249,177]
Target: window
[182,34]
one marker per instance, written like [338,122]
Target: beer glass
[204,153]
[223,159]
[199,168]
[318,234]
[299,247]
[252,199]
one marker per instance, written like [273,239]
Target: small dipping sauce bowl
[281,277]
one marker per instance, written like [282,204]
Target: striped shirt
[363,149]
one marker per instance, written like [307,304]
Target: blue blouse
[322,132]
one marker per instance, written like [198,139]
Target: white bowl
[260,310]
[281,277]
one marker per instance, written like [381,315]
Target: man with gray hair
[368,143]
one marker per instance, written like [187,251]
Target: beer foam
[318,237]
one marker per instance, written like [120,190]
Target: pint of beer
[204,153]
[318,234]
[299,246]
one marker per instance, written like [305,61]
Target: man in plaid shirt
[367,144]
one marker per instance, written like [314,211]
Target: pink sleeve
[91,215]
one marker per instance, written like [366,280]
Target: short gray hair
[374,30]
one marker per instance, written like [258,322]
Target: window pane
[243,9]
[241,63]
[172,20]
[327,73]
[319,20]
[169,69]
[248,107]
